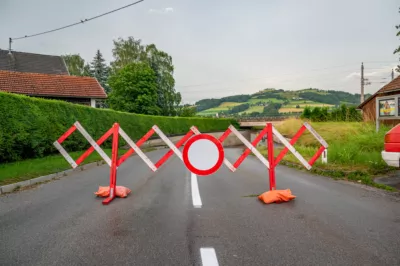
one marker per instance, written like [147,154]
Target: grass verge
[28,169]
[354,151]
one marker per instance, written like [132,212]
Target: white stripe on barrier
[248,145]
[291,148]
[316,135]
[168,142]
[93,143]
[65,154]
[325,156]
[226,162]
[137,149]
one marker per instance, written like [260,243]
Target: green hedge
[29,126]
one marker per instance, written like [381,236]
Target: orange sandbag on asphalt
[121,192]
[276,196]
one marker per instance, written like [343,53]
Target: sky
[221,48]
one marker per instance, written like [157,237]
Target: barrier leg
[270,146]
[114,159]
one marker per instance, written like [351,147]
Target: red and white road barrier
[191,138]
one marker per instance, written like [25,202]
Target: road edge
[14,186]
[5,189]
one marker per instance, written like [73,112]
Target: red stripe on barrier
[170,152]
[139,143]
[91,149]
[67,134]
[113,171]
[292,142]
[271,159]
[225,135]
[247,151]
[316,155]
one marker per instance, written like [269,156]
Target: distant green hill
[274,102]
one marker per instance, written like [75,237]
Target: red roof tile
[50,85]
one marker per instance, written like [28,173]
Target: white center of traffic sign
[203,154]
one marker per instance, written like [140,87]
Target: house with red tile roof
[46,76]
[79,90]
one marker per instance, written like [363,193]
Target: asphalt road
[329,223]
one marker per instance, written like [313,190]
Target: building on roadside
[383,107]
[32,63]
[79,90]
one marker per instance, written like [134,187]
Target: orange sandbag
[276,196]
[121,192]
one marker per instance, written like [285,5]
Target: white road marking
[195,191]
[208,257]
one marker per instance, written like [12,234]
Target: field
[290,107]
[354,150]
[289,99]
[255,100]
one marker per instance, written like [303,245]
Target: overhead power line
[74,24]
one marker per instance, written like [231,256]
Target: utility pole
[364,82]
[9,45]
[392,74]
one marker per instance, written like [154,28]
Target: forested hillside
[275,102]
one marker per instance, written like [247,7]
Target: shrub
[29,126]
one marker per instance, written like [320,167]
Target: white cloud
[162,10]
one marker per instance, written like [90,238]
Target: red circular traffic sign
[189,165]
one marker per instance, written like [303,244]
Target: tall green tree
[100,70]
[134,89]
[131,51]
[87,71]
[398,48]
[162,65]
[126,52]
[75,64]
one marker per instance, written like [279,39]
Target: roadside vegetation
[354,151]
[31,168]
[29,126]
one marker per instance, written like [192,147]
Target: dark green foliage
[236,98]
[271,94]
[186,111]
[76,65]
[306,113]
[211,103]
[239,108]
[332,97]
[343,113]
[272,109]
[128,51]
[100,70]
[134,90]
[29,126]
